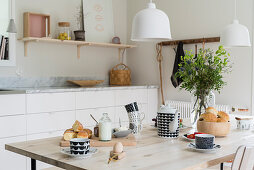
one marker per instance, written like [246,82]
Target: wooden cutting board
[86,83]
[130,140]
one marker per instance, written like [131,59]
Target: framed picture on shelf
[98,20]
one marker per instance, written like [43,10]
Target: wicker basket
[120,75]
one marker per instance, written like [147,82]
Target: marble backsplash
[21,82]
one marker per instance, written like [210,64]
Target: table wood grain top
[151,152]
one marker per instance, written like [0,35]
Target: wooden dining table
[151,152]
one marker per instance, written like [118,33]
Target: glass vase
[199,105]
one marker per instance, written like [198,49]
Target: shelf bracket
[25,48]
[78,51]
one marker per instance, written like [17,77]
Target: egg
[118,147]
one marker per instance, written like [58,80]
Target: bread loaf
[211,110]
[69,134]
[208,117]
[77,126]
[89,132]
[221,120]
[224,116]
[82,134]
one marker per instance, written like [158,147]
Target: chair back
[244,158]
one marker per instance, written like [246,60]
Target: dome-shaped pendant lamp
[151,24]
[235,34]
[11,27]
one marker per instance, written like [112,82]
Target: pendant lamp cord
[11,9]
[159,59]
[235,10]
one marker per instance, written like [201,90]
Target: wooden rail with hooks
[191,41]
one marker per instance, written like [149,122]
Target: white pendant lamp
[235,34]
[11,27]
[151,24]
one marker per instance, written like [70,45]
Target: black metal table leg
[33,164]
[221,166]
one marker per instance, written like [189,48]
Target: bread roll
[223,115]
[211,110]
[208,117]
[77,126]
[69,134]
[221,120]
[82,134]
[89,132]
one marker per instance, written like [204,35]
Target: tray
[129,140]
[86,83]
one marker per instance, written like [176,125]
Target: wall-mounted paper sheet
[98,20]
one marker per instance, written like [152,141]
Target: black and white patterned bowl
[204,141]
[79,146]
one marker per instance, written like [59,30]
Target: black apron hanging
[176,81]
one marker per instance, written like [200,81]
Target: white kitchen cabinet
[123,115]
[10,160]
[50,102]
[152,106]
[48,122]
[12,104]
[123,97]
[84,115]
[144,109]
[45,115]
[40,165]
[12,126]
[94,99]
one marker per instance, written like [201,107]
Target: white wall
[195,19]
[4,17]
[60,60]
[189,19]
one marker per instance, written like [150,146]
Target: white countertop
[30,90]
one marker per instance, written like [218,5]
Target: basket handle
[121,64]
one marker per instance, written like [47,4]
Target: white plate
[188,139]
[67,151]
[184,127]
[193,147]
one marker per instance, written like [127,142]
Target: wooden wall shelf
[79,44]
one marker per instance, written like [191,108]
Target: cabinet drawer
[50,102]
[10,160]
[12,126]
[12,104]
[48,122]
[94,99]
[124,97]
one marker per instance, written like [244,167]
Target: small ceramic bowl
[122,134]
[79,146]
[244,124]
[204,141]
